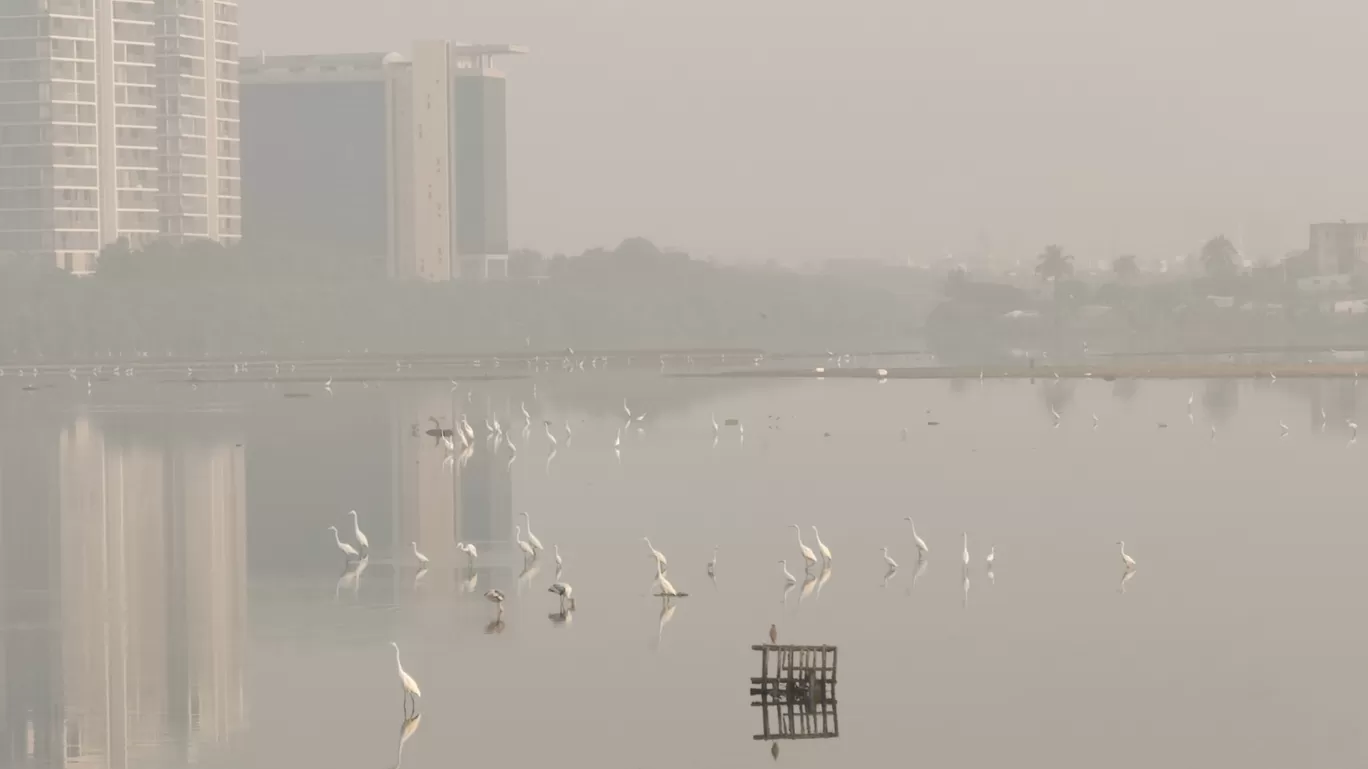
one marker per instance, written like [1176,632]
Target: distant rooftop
[259,67]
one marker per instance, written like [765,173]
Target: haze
[803,129]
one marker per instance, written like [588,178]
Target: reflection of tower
[146,595]
[486,499]
[424,489]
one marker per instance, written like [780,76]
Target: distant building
[318,149]
[382,157]
[1339,248]
[118,119]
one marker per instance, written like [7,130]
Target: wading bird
[347,550]
[360,538]
[422,559]
[1130,562]
[406,683]
[922,549]
[536,543]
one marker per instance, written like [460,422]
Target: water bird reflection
[406,730]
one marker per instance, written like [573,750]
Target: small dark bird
[774,634]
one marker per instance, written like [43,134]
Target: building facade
[377,157]
[95,97]
[1339,248]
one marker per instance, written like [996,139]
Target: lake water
[172,597]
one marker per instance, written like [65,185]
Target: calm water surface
[172,596]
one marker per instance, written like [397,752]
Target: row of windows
[50,177]
[45,134]
[30,155]
[47,240]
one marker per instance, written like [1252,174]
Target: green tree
[1053,264]
[1218,257]
[1125,267]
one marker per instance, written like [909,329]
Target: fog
[799,129]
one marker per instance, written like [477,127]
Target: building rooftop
[259,65]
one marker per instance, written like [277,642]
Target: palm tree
[1218,257]
[1053,264]
[1125,267]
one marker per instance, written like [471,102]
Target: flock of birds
[532,548]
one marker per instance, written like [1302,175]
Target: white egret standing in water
[666,589]
[922,549]
[1282,426]
[360,538]
[528,552]
[712,565]
[536,543]
[657,555]
[422,559]
[821,546]
[992,554]
[406,682]
[715,425]
[1130,562]
[559,563]
[966,548]
[347,550]
[788,578]
[549,436]
[470,551]
[808,556]
[888,559]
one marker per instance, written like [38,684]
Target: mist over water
[172,596]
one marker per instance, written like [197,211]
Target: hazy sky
[797,129]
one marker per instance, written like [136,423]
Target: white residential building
[91,94]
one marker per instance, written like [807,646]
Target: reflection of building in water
[438,506]
[124,591]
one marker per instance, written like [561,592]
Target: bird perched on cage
[774,634]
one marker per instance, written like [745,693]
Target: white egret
[509,439]
[566,592]
[789,579]
[821,547]
[406,682]
[1282,426]
[549,436]
[1191,397]
[422,559]
[346,549]
[712,565]
[469,550]
[1055,414]
[1130,562]
[888,559]
[966,548]
[624,408]
[532,538]
[666,589]
[922,549]
[773,634]
[559,563]
[528,552]
[526,415]
[568,432]
[992,554]
[617,442]
[360,538]
[1353,427]
[1094,416]
[656,554]
[883,373]
[715,425]
[809,557]
[495,597]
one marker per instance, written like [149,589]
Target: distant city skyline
[801,130]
